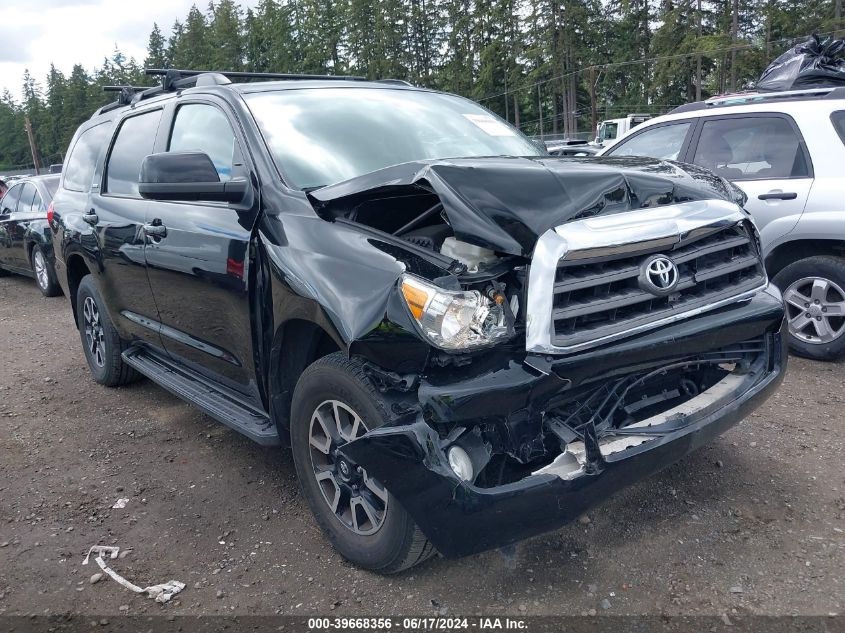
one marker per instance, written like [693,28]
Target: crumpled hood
[506,203]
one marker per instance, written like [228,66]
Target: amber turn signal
[416,299]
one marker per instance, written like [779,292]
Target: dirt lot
[752,524]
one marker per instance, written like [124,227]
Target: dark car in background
[26,246]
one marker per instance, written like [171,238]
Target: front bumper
[461,519]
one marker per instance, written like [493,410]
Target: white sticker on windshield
[490,125]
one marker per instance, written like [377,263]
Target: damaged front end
[507,451]
[575,347]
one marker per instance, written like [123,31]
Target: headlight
[454,320]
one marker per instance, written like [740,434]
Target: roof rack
[176,76]
[122,88]
[173,79]
[748,98]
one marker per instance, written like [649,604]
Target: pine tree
[224,30]
[156,50]
[174,42]
[361,42]
[549,63]
[52,130]
[192,48]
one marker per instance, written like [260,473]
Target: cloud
[48,4]
[15,44]
[68,32]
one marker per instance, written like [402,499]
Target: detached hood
[506,203]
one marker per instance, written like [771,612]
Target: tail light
[50,214]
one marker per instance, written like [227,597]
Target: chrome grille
[595,297]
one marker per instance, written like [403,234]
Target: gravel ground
[751,524]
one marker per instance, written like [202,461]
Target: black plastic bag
[813,64]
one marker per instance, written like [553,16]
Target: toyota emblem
[659,275]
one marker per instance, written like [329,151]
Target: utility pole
[734,35]
[594,113]
[540,111]
[698,61]
[837,18]
[28,127]
[507,114]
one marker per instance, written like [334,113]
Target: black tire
[4,273]
[827,269]
[398,543]
[48,284]
[107,367]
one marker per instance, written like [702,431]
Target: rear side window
[37,204]
[664,142]
[135,140]
[29,193]
[9,204]
[79,168]
[838,119]
[752,148]
[204,128]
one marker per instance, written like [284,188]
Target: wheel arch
[30,246]
[34,235]
[297,343]
[77,269]
[786,253]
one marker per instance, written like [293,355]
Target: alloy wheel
[40,266]
[815,310]
[357,501]
[94,334]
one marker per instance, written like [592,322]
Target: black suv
[466,342]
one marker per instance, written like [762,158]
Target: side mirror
[186,176]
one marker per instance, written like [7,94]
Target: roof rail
[398,82]
[748,98]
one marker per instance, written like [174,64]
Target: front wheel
[45,274]
[814,294]
[334,403]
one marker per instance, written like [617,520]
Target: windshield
[323,136]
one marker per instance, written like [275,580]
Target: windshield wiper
[312,188]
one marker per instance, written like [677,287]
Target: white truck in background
[612,129]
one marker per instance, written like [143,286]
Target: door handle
[778,195]
[91,217]
[156,229]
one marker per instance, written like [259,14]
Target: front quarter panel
[331,269]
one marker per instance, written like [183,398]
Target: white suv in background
[786,151]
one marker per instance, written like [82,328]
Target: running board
[212,399]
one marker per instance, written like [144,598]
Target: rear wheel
[335,403]
[100,340]
[814,293]
[45,274]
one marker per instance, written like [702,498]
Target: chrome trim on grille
[657,227]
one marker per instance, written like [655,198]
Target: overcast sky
[34,33]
